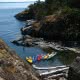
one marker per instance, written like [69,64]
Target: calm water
[10,30]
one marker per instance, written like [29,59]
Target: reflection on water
[48,50]
[67,57]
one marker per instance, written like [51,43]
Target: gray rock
[13,67]
[74,71]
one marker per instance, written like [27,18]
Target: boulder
[74,71]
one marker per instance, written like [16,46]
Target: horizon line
[18,2]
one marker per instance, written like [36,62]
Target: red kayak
[39,57]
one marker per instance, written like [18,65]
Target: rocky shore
[29,41]
[32,37]
[61,24]
[74,71]
[58,29]
[12,67]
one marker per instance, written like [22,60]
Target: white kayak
[51,55]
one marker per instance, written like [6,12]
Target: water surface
[11,5]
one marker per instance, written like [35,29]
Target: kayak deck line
[47,68]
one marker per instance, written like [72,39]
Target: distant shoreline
[12,5]
[18,2]
[12,8]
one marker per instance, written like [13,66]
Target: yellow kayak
[49,56]
[46,56]
[29,60]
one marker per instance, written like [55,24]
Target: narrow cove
[10,30]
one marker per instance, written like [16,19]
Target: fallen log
[25,28]
[47,68]
[53,71]
[55,76]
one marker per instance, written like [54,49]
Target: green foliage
[72,24]
[74,3]
[41,9]
[49,7]
[38,9]
[68,10]
[54,5]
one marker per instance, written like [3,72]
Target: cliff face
[60,27]
[12,67]
[62,24]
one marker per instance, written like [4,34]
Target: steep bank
[12,67]
[74,71]
[63,26]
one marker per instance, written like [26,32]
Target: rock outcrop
[24,15]
[12,67]
[60,27]
[74,71]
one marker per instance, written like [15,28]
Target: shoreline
[32,41]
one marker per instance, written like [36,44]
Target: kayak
[34,59]
[45,56]
[30,60]
[40,57]
[51,55]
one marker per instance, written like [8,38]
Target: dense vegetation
[40,9]
[49,7]
[60,19]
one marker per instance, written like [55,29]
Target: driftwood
[53,71]
[26,28]
[55,76]
[47,68]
